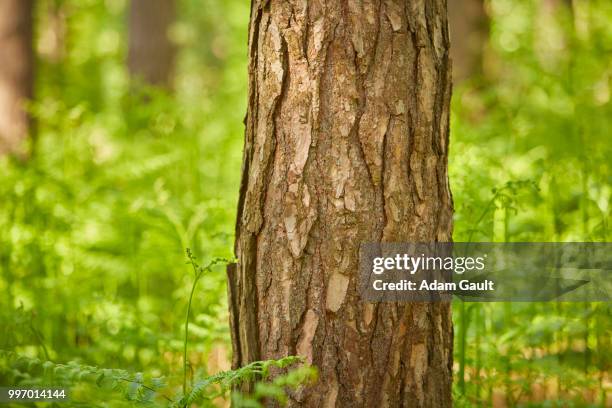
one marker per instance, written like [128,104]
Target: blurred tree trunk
[16,73]
[469,32]
[346,142]
[151,53]
[51,44]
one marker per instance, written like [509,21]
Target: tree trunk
[16,73]
[469,33]
[151,53]
[346,142]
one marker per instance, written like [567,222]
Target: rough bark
[469,33]
[346,142]
[151,53]
[16,73]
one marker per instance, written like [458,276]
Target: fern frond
[135,387]
[228,379]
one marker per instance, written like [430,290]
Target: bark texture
[346,142]
[16,73]
[151,53]
[469,32]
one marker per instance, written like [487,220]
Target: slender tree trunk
[469,32]
[346,142]
[16,73]
[151,53]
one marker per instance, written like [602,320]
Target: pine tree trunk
[346,142]
[469,33]
[151,53]
[16,73]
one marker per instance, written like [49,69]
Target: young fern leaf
[198,271]
[229,379]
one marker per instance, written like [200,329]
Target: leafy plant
[143,389]
[198,271]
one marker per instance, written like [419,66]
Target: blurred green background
[123,178]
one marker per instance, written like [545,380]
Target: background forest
[123,176]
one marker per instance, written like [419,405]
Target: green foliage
[118,387]
[530,162]
[93,227]
[198,272]
[276,389]
[84,382]
[251,372]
